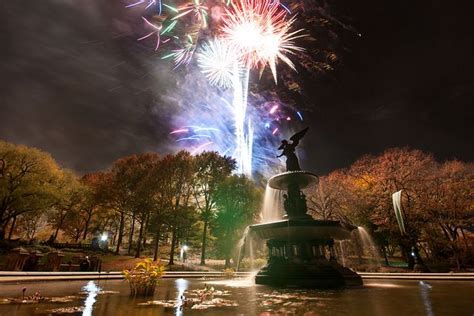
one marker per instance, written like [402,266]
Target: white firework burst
[219,63]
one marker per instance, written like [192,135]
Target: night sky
[76,84]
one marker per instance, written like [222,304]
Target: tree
[29,223]
[159,181]
[143,194]
[211,170]
[29,182]
[325,200]
[178,182]
[238,203]
[125,192]
[367,188]
[449,209]
[68,204]
[92,198]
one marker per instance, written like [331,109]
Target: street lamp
[104,237]
[184,248]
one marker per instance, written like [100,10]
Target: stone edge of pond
[25,277]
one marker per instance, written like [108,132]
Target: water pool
[242,297]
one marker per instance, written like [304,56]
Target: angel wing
[296,138]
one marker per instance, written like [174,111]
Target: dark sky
[74,83]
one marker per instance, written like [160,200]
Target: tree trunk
[464,238]
[157,242]
[146,230]
[120,233]
[12,227]
[139,242]
[115,235]
[384,249]
[130,237]
[60,224]
[2,233]
[425,251]
[204,239]
[86,226]
[173,245]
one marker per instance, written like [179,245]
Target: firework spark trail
[200,148]
[199,10]
[182,56]
[299,115]
[273,109]
[203,110]
[220,64]
[243,133]
[157,31]
[182,130]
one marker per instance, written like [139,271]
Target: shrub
[143,278]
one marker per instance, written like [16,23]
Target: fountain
[300,249]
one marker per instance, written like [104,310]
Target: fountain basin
[301,254]
[300,249]
[283,180]
[303,230]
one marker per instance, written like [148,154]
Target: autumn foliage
[436,198]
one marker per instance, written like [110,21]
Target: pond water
[241,297]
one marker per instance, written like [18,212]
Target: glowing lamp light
[104,237]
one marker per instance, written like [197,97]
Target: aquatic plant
[205,294]
[229,273]
[144,277]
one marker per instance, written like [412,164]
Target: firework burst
[250,34]
[184,54]
[260,31]
[196,7]
[219,63]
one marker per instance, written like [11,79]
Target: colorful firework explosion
[261,32]
[244,35]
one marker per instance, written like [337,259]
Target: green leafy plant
[144,277]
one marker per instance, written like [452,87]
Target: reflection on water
[248,281]
[377,297]
[384,285]
[425,289]
[181,286]
[91,289]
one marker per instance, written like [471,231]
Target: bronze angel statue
[292,163]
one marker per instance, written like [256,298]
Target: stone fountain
[300,249]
